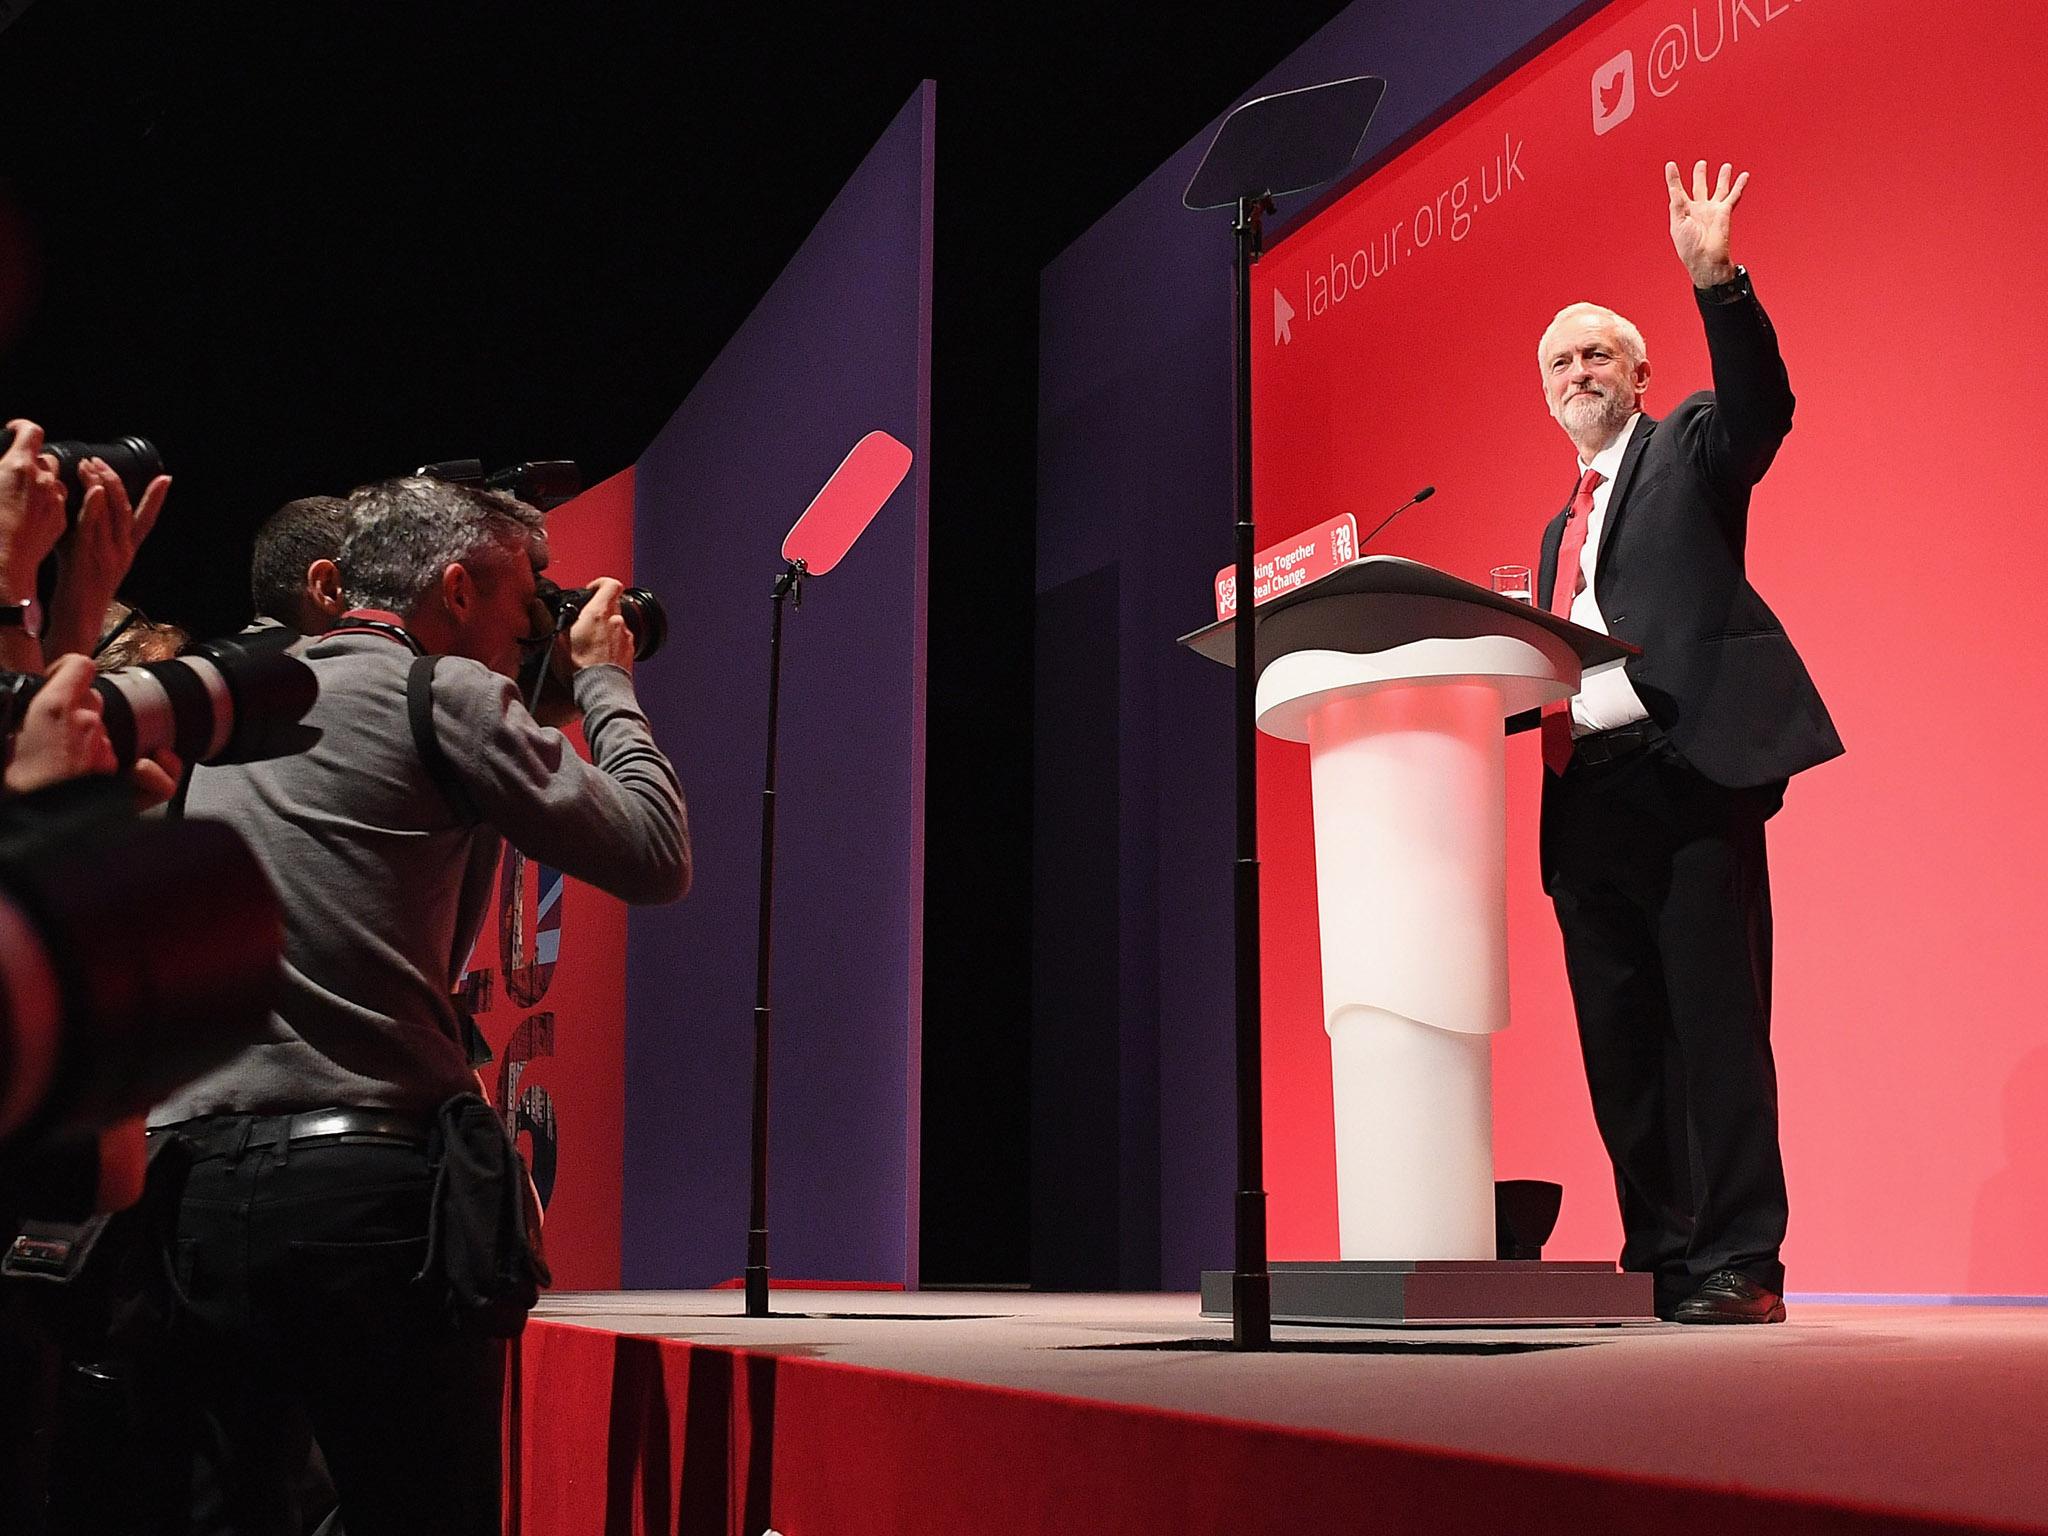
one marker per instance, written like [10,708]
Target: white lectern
[1400,679]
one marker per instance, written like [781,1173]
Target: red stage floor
[998,1412]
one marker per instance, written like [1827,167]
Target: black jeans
[1663,896]
[300,1308]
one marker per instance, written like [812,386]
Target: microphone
[1422,495]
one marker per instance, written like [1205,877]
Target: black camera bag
[484,1226]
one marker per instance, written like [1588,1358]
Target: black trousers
[299,1310]
[1663,897]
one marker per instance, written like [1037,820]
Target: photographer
[294,574]
[71,1143]
[302,1242]
[61,737]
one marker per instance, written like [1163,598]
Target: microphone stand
[1422,495]
[790,585]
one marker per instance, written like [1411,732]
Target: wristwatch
[26,616]
[1728,292]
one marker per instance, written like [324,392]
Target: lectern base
[1446,1292]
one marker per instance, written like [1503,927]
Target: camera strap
[52,1250]
[374,621]
[58,1251]
[419,711]
[419,714]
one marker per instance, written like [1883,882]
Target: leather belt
[238,1133]
[383,1124]
[1597,747]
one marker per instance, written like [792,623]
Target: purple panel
[1135,472]
[839,346]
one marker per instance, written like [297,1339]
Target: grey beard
[1592,422]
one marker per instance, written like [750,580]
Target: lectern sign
[1302,559]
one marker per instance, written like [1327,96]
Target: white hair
[1632,347]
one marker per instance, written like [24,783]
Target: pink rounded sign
[865,479]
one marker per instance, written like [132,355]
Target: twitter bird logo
[1614,91]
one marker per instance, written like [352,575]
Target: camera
[645,618]
[220,702]
[640,608]
[134,459]
[542,483]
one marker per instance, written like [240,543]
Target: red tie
[1557,718]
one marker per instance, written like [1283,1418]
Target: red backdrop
[554,1004]
[1892,233]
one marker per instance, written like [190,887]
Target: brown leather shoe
[1729,1296]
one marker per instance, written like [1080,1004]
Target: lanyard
[370,621]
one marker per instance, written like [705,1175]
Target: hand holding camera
[598,635]
[93,560]
[107,495]
[31,510]
[604,624]
[62,733]
[589,630]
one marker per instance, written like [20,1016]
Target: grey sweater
[384,888]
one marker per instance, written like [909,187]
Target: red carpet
[995,1413]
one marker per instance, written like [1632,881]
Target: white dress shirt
[1606,698]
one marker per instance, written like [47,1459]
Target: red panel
[1890,234]
[578,1066]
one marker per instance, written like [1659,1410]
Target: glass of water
[1516,581]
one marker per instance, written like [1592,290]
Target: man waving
[1659,776]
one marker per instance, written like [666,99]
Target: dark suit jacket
[1717,672]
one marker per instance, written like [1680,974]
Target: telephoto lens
[220,702]
[134,459]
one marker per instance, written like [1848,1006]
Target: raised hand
[1700,220]
[31,510]
[94,560]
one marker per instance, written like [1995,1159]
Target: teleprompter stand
[1269,147]
[789,587]
[865,479]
